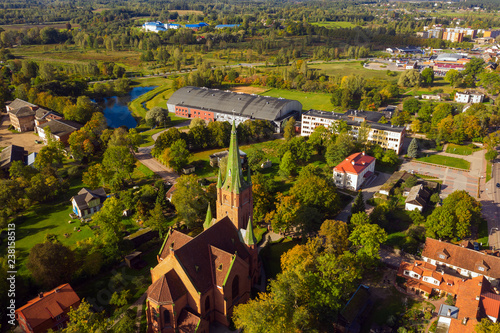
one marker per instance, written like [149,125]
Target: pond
[116,108]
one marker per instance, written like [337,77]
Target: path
[137,304]
[490,199]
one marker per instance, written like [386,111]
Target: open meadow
[334,25]
[342,68]
[309,100]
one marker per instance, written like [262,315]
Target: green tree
[255,159]
[189,200]
[428,77]
[120,299]
[337,151]
[474,67]
[289,131]
[487,326]
[367,238]
[411,105]
[410,78]
[453,77]
[165,140]
[413,148]
[263,189]
[316,191]
[336,235]
[109,221]
[51,264]
[119,162]
[358,204]
[491,155]
[157,116]
[288,167]
[177,156]
[84,320]
[157,219]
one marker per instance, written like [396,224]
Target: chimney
[477,298]
[56,290]
[363,153]
[353,162]
[40,295]
[448,313]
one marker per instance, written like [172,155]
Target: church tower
[234,193]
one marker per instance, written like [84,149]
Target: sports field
[343,68]
[334,25]
[309,100]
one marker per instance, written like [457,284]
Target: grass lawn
[482,233]
[488,171]
[334,25]
[146,136]
[271,255]
[318,101]
[460,150]
[396,240]
[343,68]
[454,162]
[136,106]
[149,81]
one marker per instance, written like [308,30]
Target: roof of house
[355,163]
[491,304]
[448,283]
[201,254]
[60,127]
[254,106]
[393,180]
[42,113]
[356,304]
[85,196]
[167,289]
[462,257]
[10,154]
[50,305]
[418,196]
[19,103]
[24,111]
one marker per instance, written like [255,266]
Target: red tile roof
[491,304]
[462,257]
[188,322]
[167,289]
[448,283]
[174,241]
[52,304]
[355,163]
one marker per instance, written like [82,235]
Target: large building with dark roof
[11,154]
[200,280]
[22,115]
[220,105]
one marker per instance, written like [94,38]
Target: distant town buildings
[466,97]
[386,135]
[159,26]
[220,105]
[352,172]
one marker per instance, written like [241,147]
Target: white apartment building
[386,135]
[469,97]
[353,171]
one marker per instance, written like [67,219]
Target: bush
[433,327]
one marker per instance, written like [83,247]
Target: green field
[318,101]
[460,150]
[343,68]
[334,25]
[136,105]
[453,162]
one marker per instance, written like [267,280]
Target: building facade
[22,115]
[469,97]
[88,202]
[386,135]
[199,280]
[352,172]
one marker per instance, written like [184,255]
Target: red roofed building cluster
[353,171]
[48,311]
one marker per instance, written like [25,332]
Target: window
[481,268]
[235,288]
[58,318]
[207,304]
[166,317]
[442,256]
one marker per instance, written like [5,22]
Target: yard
[453,162]
[271,256]
[461,150]
[312,100]
[334,25]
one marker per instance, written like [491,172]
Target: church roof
[221,263]
[234,180]
[249,238]
[208,218]
[173,241]
[167,289]
[195,255]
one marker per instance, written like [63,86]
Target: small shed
[188,169]
[134,259]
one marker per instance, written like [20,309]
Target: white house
[154,26]
[88,202]
[417,198]
[469,97]
[353,171]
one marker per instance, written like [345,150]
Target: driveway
[26,139]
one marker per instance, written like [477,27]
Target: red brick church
[199,280]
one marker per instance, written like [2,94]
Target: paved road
[490,200]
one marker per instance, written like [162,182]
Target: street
[491,206]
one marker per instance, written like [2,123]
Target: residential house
[22,115]
[353,171]
[417,198]
[394,180]
[88,202]
[467,262]
[431,97]
[42,116]
[48,311]
[10,154]
[200,280]
[60,130]
[469,97]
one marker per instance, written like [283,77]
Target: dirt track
[26,139]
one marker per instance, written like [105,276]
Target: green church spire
[234,180]
[249,236]
[208,219]
[219,180]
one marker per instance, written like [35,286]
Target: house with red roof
[48,311]
[353,171]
